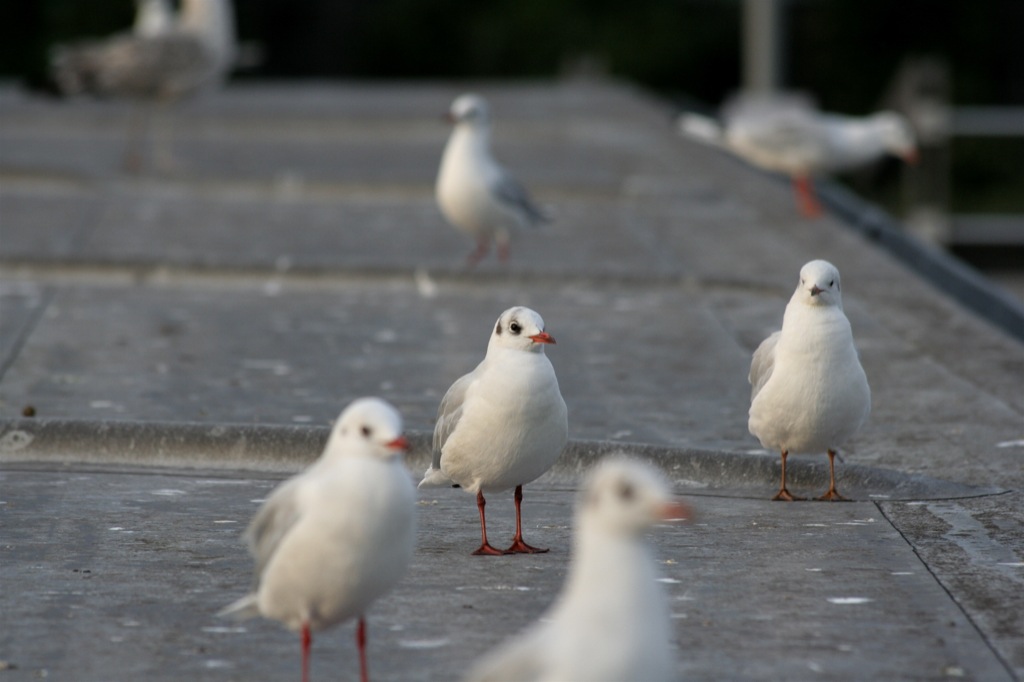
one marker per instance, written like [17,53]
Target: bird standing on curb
[809,392]
[475,193]
[504,424]
[333,539]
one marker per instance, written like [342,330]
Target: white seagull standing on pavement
[789,136]
[474,192]
[504,424]
[809,391]
[331,540]
[611,621]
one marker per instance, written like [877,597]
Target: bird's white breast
[817,395]
[513,425]
[353,542]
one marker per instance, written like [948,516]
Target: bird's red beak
[400,443]
[815,290]
[543,337]
[911,157]
[448,117]
[675,511]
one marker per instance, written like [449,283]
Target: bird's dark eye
[515,328]
[626,491]
[366,431]
[831,282]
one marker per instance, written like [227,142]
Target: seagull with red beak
[809,392]
[787,134]
[504,424]
[330,541]
[611,621]
[476,194]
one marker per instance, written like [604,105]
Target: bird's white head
[471,110]
[625,497]
[819,285]
[369,427]
[520,328]
[897,135]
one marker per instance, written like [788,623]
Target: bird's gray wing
[762,364]
[136,66]
[448,414]
[272,522]
[509,191]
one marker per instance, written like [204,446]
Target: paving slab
[291,259]
[121,572]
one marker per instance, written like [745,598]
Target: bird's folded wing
[762,364]
[509,191]
[129,64]
[449,412]
[272,522]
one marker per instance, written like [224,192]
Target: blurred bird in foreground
[809,392]
[611,621]
[330,541]
[164,58]
[789,135]
[475,193]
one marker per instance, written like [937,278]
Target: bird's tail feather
[434,478]
[700,128]
[243,609]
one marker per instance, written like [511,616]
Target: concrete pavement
[185,335]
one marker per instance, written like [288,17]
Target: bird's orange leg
[485,548]
[784,494]
[805,197]
[307,641]
[518,545]
[832,495]
[483,245]
[364,672]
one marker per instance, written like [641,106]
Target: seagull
[504,424]
[789,136]
[331,540]
[611,620]
[162,59]
[809,391]
[475,193]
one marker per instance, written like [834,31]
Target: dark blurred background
[848,53]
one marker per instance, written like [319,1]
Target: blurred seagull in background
[475,193]
[333,539]
[504,424]
[809,392]
[787,134]
[611,621]
[163,58]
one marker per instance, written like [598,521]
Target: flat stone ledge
[277,449]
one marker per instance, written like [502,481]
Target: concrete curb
[282,449]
